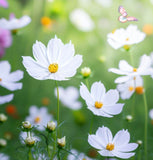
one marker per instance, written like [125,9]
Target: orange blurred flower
[148,29]
[46,21]
[12,111]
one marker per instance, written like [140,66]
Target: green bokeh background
[91,45]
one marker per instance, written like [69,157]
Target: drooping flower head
[69,97]
[125,37]
[81,20]
[5,40]
[39,117]
[99,102]
[130,72]
[6,99]
[13,23]
[4,3]
[128,88]
[108,146]
[10,80]
[56,62]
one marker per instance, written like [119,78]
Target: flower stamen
[127,39]
[139,90]
[53,68]
[0,79]
[134,69]
[110,146]
[98,104]
[37,119]
[131,88]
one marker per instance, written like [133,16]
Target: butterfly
[124,17]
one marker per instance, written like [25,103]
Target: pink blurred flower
[5,40]
[3,3]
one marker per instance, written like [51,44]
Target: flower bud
[61,142]
[129,118]
[86,72]
[26,125]
[51,126]
[30,141]
[3,118]
[3,142]
[139,142]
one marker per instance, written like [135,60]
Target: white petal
[34,69]
[127,147]
[122,79]
[121,138]
[111,97]
[124,66]
[7,98]
[122,155]
[114,43]
[12,86]
[98,91]
[117,71]
[106,153]
[5,68]
[151,113]
[114,109]
[33,110]
[15,76]
[139,81]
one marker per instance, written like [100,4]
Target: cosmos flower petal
[145,62]
[124,66]
[7,98]
[6,68]
[121,138]
[122,155]
[122,79]
[98,90]
[12,86]
[113,109]
[111,97]
[35,69]
[15,76]
[105,153]
[40,54]
[151,113]
[117,71]
[127,147]
[114,43]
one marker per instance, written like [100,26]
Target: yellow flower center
[110,146]
[131,88]
[84,159]
[126,47]
[98,104]
[53,68]
[0,79]
[113,31]
[134,69]
[139,90]
[37,119]
[45,21]
[127,39]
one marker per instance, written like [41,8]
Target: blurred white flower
[14,23]
[151,114]
[23,136]
[6,99]
[118,146]
[9,80]
[151,56]
[123,37]
[130,72]
[69,97]
[99,102]
[81,20]
[4,156]
[3,117]
[57,61]
[77,156]
[105,3]
[128,88]
[39,116]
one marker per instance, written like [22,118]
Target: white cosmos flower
[128,88]
[69,97]
[121,37]
[9,80]
[39,116]
[81,20]
[130,72]
[4,156]
[57,61]
[14,23]
[118,146]
[6,99]
[77,156]
[99,102]
[151,114]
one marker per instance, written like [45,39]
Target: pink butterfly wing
[122,11]
[132,19]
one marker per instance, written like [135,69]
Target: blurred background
[54,17]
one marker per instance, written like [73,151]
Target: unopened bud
[51,126]
[86,72]
[139,142]
[30,141]
[3,142]
[129,118]
[3,118]
[61,142]
[26,125]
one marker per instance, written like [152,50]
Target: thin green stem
[87,82]
[54,145]
[58,154]
[29,154]
[145,126]
[91,124]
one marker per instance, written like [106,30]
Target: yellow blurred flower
[46,21]
[148,29]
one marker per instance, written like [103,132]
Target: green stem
[58,154]
[54,146]
[145,126]
[29,154]
[87,82]
[91,124]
